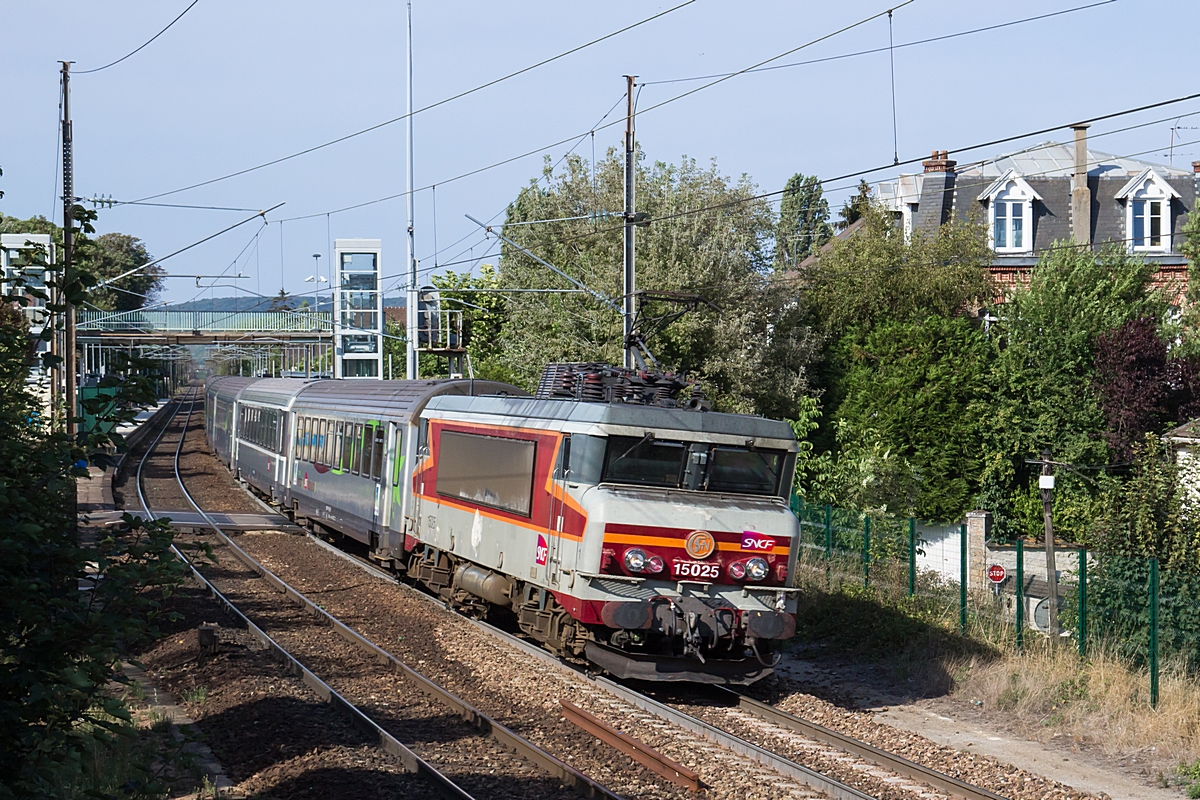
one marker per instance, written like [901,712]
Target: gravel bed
[159,486]
[206,477]
[983,771]
[506,683]
[475,762]
[271,735]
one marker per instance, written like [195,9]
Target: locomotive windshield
[649,461]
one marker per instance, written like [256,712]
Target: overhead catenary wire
[143,46]
[968,148]
[260,215]
[584,134]
[423,109]
[875,50]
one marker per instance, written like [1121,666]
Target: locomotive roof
[626,414]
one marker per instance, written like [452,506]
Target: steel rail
[500,733]
[894,763]
[835,789]
[810,777]
[412,762]
[639,751]
[890,761]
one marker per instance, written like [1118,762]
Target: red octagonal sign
[996,573]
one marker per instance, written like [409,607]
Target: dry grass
[1102,701]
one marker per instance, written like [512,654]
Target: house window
[1008,224]
[1148,224]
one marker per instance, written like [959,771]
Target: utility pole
[68,186]
[1046,484]
[412,366]
[630,283]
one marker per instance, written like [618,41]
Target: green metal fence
[1131,606]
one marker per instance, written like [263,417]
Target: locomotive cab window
[645,461]
[648,461]
[486,470]
[743,471]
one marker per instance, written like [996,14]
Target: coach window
[399,459]
[486,470]
[322,443]
[347,447]
[330,442]
[377,457]
[337,445]
[356,449]
[308,438]
[364,450]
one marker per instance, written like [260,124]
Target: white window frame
[1146,188]
[1011,190]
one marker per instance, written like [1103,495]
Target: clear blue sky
[234,84]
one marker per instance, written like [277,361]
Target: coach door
[554,525]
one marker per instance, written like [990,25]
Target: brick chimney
[937,193]
[938,162]
[1196,167]
[1081,195]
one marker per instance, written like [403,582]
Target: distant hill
[243,303]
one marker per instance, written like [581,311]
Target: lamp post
[317,271]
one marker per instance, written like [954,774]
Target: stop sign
[996,573]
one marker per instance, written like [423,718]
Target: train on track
[649,536]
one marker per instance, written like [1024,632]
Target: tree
[61,647]
[484,317]
[1042,390]
[911,390]
[99,259]
[1133,383]
[747,341]
[115,254]
[855,207]
[803,221]
[875,275]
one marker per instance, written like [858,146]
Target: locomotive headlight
[635,560]
[737,570]
[655,564]
[756,569]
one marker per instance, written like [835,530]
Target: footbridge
[260,342]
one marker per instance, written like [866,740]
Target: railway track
[471,747]
[881,774]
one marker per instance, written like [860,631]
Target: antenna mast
[412,367]
[630,283]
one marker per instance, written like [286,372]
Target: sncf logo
[758,542]
[542,550]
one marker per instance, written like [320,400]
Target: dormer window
[1008,224]
[1147,199]
[1147,227]
[1010,213]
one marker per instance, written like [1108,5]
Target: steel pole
[69,360]
[962,580]
[912,556]
[1020,594]
[1083,602]
[1154,633]
[629,285]
[412,364]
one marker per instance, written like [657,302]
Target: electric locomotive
[611,521]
